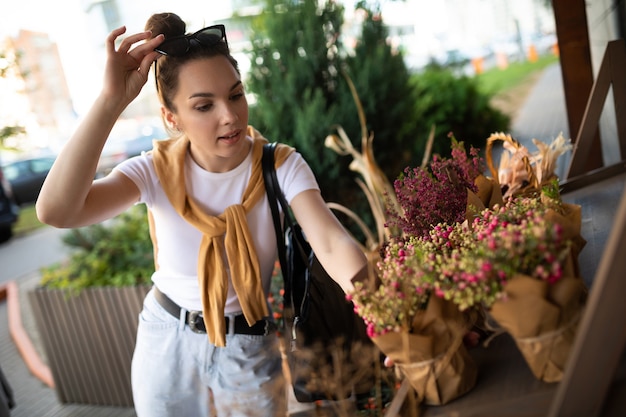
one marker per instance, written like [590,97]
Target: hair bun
[168,24]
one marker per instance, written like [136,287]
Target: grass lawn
[27,221]
[508,88]
[496,81]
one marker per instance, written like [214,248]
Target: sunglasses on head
[180,45]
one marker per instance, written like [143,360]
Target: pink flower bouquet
[519,263]
[421,333]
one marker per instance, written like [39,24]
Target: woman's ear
[170,119]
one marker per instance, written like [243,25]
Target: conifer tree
[293,75]
[382,81]
[297,67]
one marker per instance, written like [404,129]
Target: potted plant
[86,309]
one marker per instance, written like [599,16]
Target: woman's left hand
[128,65]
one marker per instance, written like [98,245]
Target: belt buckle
[270,327]
[192,320]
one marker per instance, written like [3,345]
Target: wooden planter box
[89,340]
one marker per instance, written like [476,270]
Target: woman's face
[212,110]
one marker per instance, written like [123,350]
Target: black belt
[196,323]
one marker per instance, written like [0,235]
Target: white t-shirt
[179,241]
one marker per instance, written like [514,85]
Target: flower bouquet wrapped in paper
[521,267]
[541,304]
[540,308]
[421,333]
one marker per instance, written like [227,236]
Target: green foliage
[117,254]
[8,64]
[294,75]
[298,64]
[9,131]
[455,104]
[27,221]
[297,76]
[382,81]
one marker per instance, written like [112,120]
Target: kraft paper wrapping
[432,357]
[489,191]
[542,318]
[487,195]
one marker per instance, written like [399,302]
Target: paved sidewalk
[544,115]
[32,397]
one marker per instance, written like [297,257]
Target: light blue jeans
[173,370]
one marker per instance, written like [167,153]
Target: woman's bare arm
[336,250]
[69,196]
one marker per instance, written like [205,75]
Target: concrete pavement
[544,115]
[23,256]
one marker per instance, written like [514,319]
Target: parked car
[113,153]
[26,177]
[141,144]
[119,148]
[8,209]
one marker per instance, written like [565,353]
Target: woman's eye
[204,107]
[236,96]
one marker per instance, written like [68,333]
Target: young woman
[206,325]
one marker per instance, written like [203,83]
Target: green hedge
[117,253]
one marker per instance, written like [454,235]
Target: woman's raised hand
[127,66]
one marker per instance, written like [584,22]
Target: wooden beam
[618,67]
[601,338]
[610,73]
[576,67]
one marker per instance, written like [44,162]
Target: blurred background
[60,46]
[463,66]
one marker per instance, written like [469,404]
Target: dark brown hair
[168,67]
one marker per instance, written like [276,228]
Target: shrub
[454,104]
[115,254]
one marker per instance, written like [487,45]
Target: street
[24,255]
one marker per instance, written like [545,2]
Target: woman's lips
[231,135]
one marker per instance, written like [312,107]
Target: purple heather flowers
[435,194]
